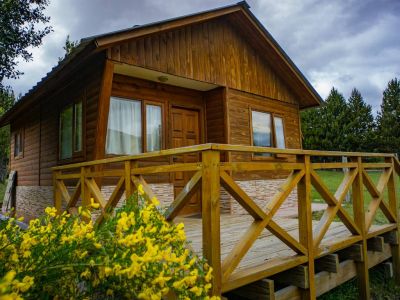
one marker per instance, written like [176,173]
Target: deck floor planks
[267,246]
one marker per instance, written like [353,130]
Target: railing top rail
[242,148]
[218,147]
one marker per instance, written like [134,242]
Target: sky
[340,43]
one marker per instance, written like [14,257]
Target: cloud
[343,43]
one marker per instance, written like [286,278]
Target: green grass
[332,180]
[2,190]
[381,287]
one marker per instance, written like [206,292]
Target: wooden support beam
[259,290]
[328,263]
[388,269]
[393,205]
[354,252]
[298,276]
[359,218]
[210,194]
[391,238]
[375,244]
[305,225]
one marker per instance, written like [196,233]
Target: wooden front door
[185,132]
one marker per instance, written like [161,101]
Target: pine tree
[327,127]
[389,119]
[69,46]
[361,126]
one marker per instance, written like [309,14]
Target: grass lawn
[2,190]
[381,287]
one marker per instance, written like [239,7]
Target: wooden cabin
[203,112]
[212,77]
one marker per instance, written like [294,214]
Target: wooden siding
[215,116]
[240,105]
[213,52]
[40,126]
[27,165]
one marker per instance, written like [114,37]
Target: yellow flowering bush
[134,254]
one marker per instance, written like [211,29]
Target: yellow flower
[51,211]
[140,190]
[196,290]
[155,201]
[94,204]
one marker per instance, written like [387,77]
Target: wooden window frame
[272,115]
[20,153]
[76,155]
[143,103]
[144,121]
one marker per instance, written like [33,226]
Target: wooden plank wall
[27,165]
[240,105]
[40,125]
[214,52]
[215,116]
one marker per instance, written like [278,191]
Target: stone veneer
[32,200]
[262,191]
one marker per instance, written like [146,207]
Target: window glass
[18,144]
[279,132]
[262,135]
[78,127]
[124,133]
[66,133]
[153,128]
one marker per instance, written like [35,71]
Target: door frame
[202,125]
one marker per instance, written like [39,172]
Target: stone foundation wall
[262,191]
[32,200]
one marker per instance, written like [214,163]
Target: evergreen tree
[389,119]
[361,127]
[327,127]
[22,25]
[68,47]
[7,100]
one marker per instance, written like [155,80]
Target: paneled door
[185,132]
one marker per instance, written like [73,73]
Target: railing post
[128,179]
[85,194]
[305,223]
[57,192]
[393,198]
[359,219]
[211,215]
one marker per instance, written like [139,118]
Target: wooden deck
[310,257]
[267,249]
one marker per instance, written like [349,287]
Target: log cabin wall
[213,51]
[40,126]
[240,104]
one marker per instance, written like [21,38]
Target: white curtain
[153,127]
[124,133]
[279,133]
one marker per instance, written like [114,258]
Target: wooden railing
[210,173]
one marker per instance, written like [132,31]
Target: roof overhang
[239,13]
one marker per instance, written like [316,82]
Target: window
[153,127]
[125,127]
[71,131]
[267,131]
[18,144]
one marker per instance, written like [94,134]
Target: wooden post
[359,219]
[392,194]
[128,180]
[57,193]
[305,224]
[85,194]
[211,216]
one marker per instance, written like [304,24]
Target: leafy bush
[134,254]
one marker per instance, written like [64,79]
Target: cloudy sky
[341,43]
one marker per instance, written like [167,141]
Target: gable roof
[239,13]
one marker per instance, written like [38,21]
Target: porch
[259,247]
